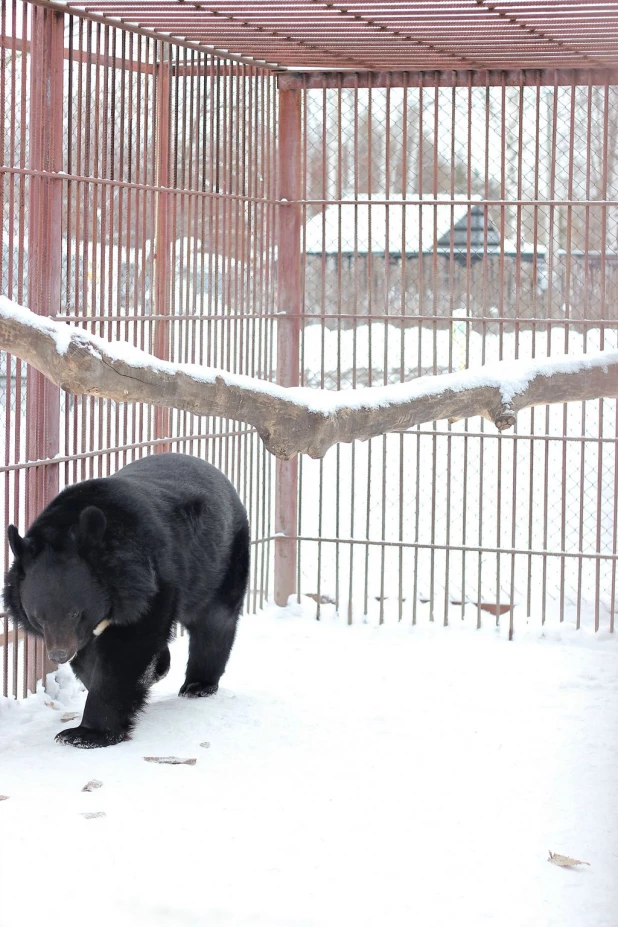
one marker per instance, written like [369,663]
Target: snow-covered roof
[360,227]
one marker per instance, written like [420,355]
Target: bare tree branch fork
[299,420]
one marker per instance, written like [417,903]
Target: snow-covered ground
[354,776]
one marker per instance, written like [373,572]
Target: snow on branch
[299,420]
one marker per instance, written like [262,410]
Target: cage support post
[161,339]
[288,331]
[44,270]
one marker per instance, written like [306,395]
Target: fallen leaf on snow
[322,599]
[3,797]
[52,705]
[70,716]
[92,785]
[566,861]
[93,814]
[171,760]
[206,743]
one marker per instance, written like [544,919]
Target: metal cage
[434,206]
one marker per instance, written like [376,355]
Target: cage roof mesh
[385,35]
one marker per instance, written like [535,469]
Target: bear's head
[53,590]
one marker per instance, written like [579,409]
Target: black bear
[109,566]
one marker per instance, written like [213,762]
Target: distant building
[428,259]
[448,227]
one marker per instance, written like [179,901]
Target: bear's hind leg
[162,665]
[210,644]
[212,633]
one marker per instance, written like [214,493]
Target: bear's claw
[197,689]
[88,739]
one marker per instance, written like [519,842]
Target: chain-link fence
[447,227]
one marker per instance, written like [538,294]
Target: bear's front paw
[88,739]
[198,689]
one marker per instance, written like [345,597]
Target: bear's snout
[59,656]
[60,647]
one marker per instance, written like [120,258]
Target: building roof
[472,231]
[385,35]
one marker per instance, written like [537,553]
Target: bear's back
[172,482]
[160,492]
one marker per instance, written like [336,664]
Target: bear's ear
[24,549]
[16,543]
[92,524]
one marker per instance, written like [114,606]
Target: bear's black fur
[112,563]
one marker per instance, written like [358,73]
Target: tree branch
[299,420]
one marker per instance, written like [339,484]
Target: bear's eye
[75,615]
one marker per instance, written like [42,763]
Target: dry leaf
[92,785]
[70,716]
[566,861]
[171,760]
[3,797]
[206,743]
[52,705]
[322,599]
[93,814]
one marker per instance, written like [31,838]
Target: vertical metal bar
[288,331]
[44,268]
[605,167]
[269,146]
[554,231]
[613,600]
[338,194]
[323,312]
[451,309]
[434,326]
[162,270]
[4,627]
[421,303]
[402,349]
[531,445]
[469,312]
[517,313]
[385,357]
[355,291]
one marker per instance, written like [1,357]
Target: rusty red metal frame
[288,330]
[519,77]
[106,20]
[45,257]
[162,234]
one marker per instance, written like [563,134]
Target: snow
[355,775]
[60,333]
[511,377]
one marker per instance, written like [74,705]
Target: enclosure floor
[355,776]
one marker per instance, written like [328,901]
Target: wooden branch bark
[296,420]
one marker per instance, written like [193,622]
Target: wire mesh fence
[447,227]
